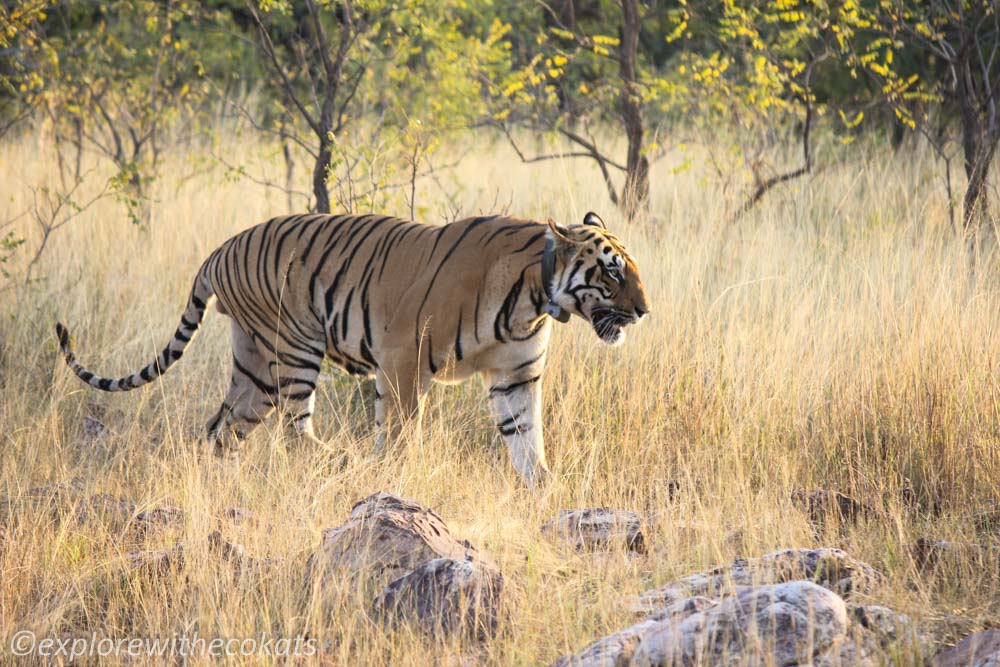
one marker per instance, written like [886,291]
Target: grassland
[837,338]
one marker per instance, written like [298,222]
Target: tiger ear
[594,220]
[560,237]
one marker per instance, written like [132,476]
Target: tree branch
[286,83]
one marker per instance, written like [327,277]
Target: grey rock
[164,562]
[599,528]
[888,626]
[384,538]
[619,647]
[830,568]
[790,623]
[94,429]
[446,596]
[825,507]
[929,552]
[981,649]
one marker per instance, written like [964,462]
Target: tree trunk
[980,135]
[635,195]
[319,177]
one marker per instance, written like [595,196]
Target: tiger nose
[639,312]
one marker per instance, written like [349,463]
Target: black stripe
[508,389]
[475,223]
[430,354]
[530,241]
[268,389]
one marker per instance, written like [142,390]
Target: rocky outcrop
[830,568]
[792,623]
[407,552]
[221,553]
[825,507]
[981,649]
[384,538]
[445,595]
[599,528]
[784,608]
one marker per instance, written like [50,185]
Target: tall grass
[838,337]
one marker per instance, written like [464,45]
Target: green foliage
[9,244]
[126,78]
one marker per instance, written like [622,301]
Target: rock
[830,568]
[826,507]
[981,649]
[384,538]
[239,517]
[52,497]
[94,429]
[683,608]
[445,595]
[790,623]
[115,514]
[932,552]
[886,625]
[599,528]
[155,564]
[619,647]
[987,521]
[161,516]
[880,635]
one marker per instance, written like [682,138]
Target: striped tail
[201,295]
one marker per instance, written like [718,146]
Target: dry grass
[837,338]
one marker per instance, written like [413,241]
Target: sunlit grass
[838,337]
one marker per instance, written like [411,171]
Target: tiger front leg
[516,405]
[398,404]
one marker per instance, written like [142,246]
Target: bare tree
[332,86]
[964,35]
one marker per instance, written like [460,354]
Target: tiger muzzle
[608,323]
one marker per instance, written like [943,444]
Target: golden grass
[836,338]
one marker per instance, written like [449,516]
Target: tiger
[405,303]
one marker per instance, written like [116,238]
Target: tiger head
[590,274]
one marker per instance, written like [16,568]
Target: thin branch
[765,186]
[289,90]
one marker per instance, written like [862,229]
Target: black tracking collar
[548,270]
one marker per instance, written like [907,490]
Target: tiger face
[596,278]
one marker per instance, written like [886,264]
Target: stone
[987,521]
[619,647]
[981,649]
[156,564]
[384,538]
[447,596]
[161,516]
[160,563]
[796,622]
[94,429]
[930,552]
[599,528]
[825,507]
[828,567]
[239,517]
[887,625]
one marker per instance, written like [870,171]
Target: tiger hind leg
[248,402]
[295,379]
